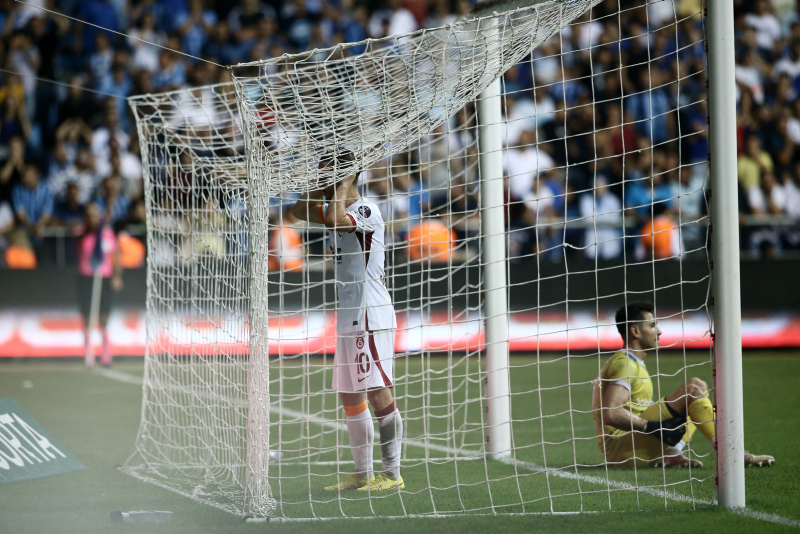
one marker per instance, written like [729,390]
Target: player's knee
[380,398]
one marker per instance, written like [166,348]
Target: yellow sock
[690,429]
[702,415]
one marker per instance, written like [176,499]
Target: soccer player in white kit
[365,326]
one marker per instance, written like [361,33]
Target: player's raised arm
[308,207]
[336,216]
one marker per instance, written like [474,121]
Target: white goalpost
[725,244]
[536,168]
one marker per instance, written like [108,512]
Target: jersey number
[362,363]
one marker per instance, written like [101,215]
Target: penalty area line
[469,454]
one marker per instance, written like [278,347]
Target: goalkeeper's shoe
[383,482]
[678,460]
[352,482]
[758,460]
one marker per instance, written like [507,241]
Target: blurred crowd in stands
[605,123]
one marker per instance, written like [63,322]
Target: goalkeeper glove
[670,431]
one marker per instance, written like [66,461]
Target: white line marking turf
[528,466]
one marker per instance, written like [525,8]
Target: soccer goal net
[534,169]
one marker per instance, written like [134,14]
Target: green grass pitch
[96,418]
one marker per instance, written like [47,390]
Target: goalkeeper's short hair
[631,313]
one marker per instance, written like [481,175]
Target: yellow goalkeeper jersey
[626,370]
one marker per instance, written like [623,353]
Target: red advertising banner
[32,333]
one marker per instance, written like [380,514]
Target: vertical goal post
[498,400]
[725,248]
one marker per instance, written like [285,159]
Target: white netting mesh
[193,433]
[377,103]
[593,153]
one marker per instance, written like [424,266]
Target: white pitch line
[118,376]
[763,516]
[445,515]
[331,463]
[529,466]
[559,473]
[341,426]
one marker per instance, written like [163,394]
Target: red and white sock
[390,428]
[361,432]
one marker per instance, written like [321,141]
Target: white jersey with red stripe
[363,301]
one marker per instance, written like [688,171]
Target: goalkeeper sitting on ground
[629,426]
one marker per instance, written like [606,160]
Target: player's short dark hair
[339,157]
[633,312]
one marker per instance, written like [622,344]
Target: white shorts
[363,360]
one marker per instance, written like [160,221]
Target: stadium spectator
[194,27]
[768,197]
[464,203]
[145,56]
[12,169]
[392,19]
[751,72]
[602,213]
[791,235]
[110,127]
[753,163]
[118,85]
[439,14]
[242,19]
[81,173]
[434,153]
[354,28]
[7,223]
[540,208]
[652,108]
[526,164]
[299,20]
[77,104]
[171,72]
[73,134]
[391,200]
[14,121]
[219,47]
[554,134]
[95,14]
[47,32]
[111,201]
[68,211]
[789,64]
[768,29]
[33,204]
[25,60]
[101,60]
